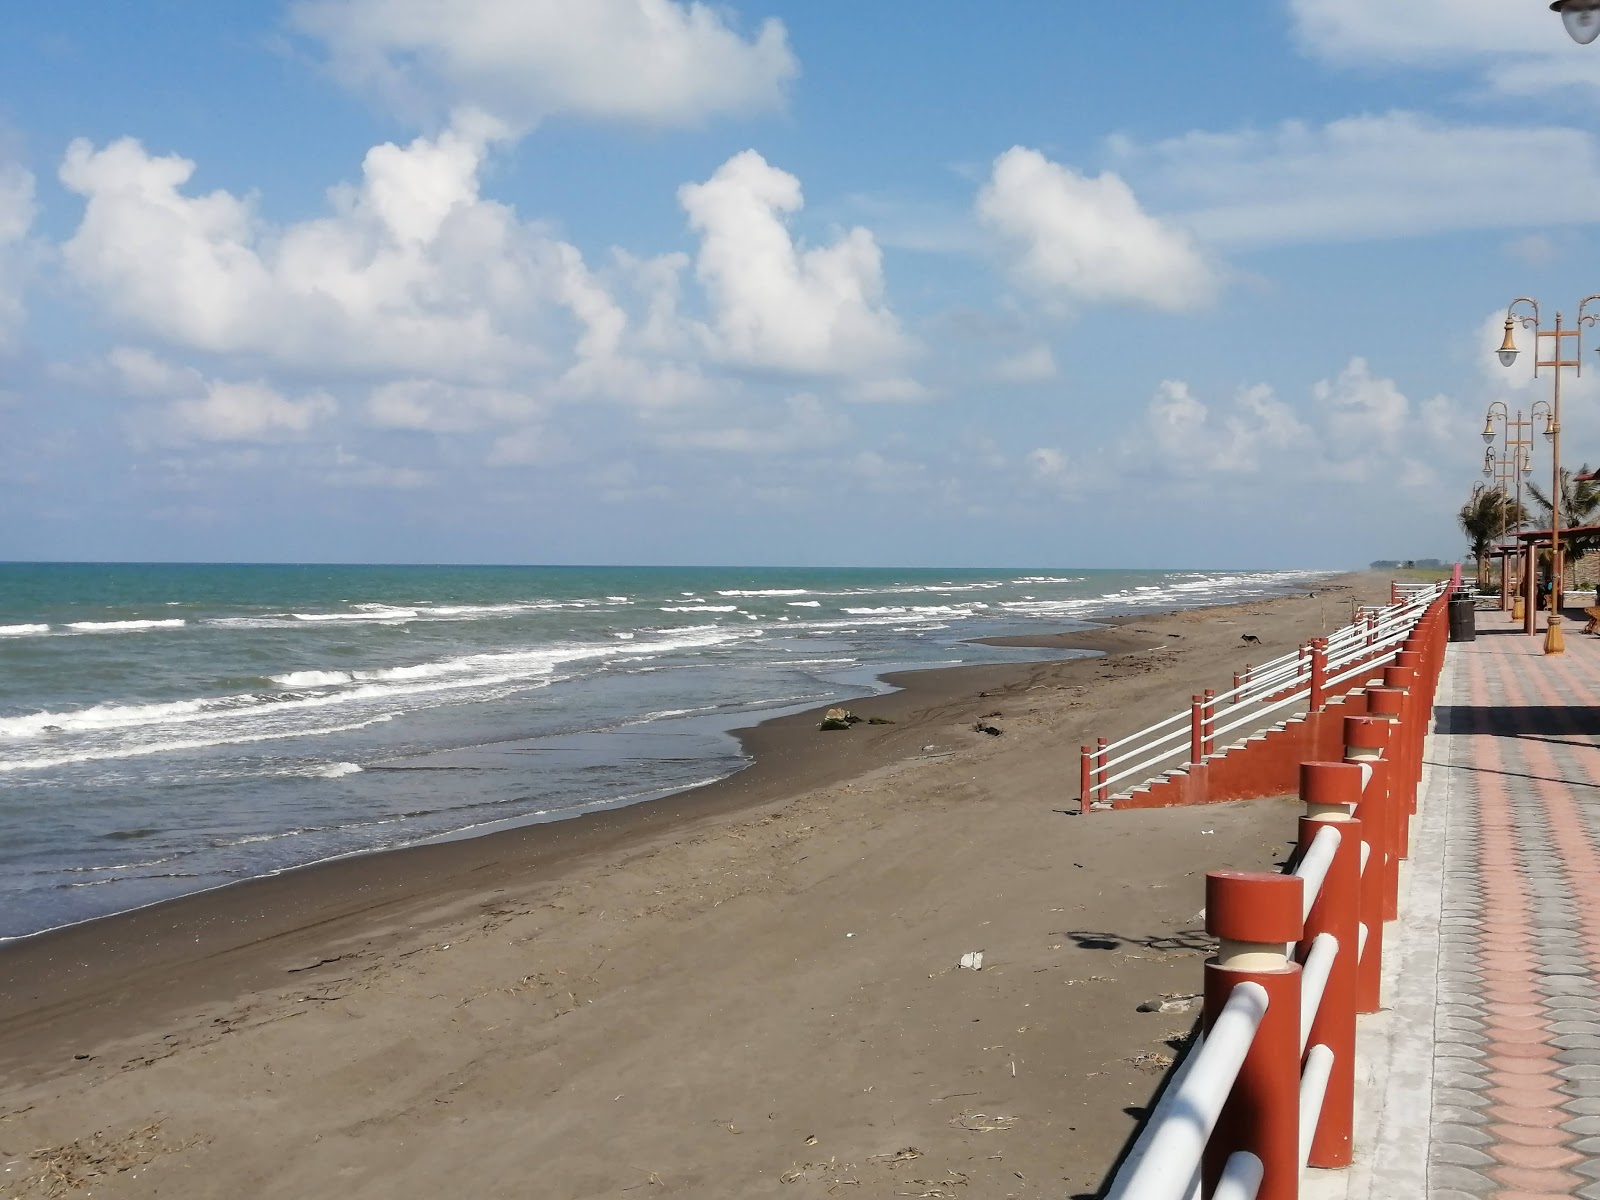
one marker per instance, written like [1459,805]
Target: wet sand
[681,996]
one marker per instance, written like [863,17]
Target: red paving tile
[1526,807]
[1528,1097]
[1540,1116]
[1517,1072]
[1524,1050]
[1547,1158]
[1527,1135]
[1500,1019]
[1517,1037]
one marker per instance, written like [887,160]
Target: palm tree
[1580,504]
[1486,515]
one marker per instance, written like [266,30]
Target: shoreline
[776,947]
[775,769]
[1102,640]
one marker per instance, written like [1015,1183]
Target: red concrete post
[1238,682]
[1329,791]
[1403,679]
[1085,779]
[1197,740]
[1208,728]
[1421,706]
[1394,592]
[1252,915]
[1363,740]
[1387,704]
[1319,675]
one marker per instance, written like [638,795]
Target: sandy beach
[750,989]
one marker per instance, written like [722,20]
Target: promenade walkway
[1481,1078]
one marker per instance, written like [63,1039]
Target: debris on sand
[838,718]
[1171,1003]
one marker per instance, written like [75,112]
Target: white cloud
[656,62]
[413,271]
[525,447]
[804,423]
[1364,414]
[777,305]
[1089,240]
[1034,365]
[1390,175]
[1421,31]
[1055,470]
[1521,48]
[879,473]
[427,405]
[197,409]
[1533,250]
[1190,439]
[17,211]
[354,471]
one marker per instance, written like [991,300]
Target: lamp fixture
[1581,17]
[1508,349]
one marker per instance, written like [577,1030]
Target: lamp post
[1581,17]
[1515,461]
[1553,643]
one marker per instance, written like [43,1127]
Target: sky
[649,281]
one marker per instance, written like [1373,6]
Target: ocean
[169,728]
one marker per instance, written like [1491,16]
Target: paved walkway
[1516,1087]
[1482,1076]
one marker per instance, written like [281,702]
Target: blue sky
[645,281]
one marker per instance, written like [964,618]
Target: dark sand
[679,997]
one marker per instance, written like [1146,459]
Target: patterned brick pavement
[1516,1067]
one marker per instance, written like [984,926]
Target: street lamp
[1553,643]
[1510,466]
[1581,17]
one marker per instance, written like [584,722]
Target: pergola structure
[1527,545]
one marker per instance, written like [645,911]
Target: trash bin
[1463,616]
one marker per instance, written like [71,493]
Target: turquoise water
[169,728]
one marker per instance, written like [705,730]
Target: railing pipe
[1241,1178]
[1364,740]
[1162,1166]
[1252,915]
[1313,1096]
[1330,791]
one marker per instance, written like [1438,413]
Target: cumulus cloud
[17,211]
[1364,413]
[1521,49]
[1034,365]
[1390,175]
[1358,426]
[197,409]
[412,270]
[776,305]
[431,406]
[1189,438]
[804,423]
[1420,31]
[655,62]
[355,471]
[1088,239]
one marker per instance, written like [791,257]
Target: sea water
[168,728]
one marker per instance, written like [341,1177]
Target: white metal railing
[1262,697]
[1164,1162]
